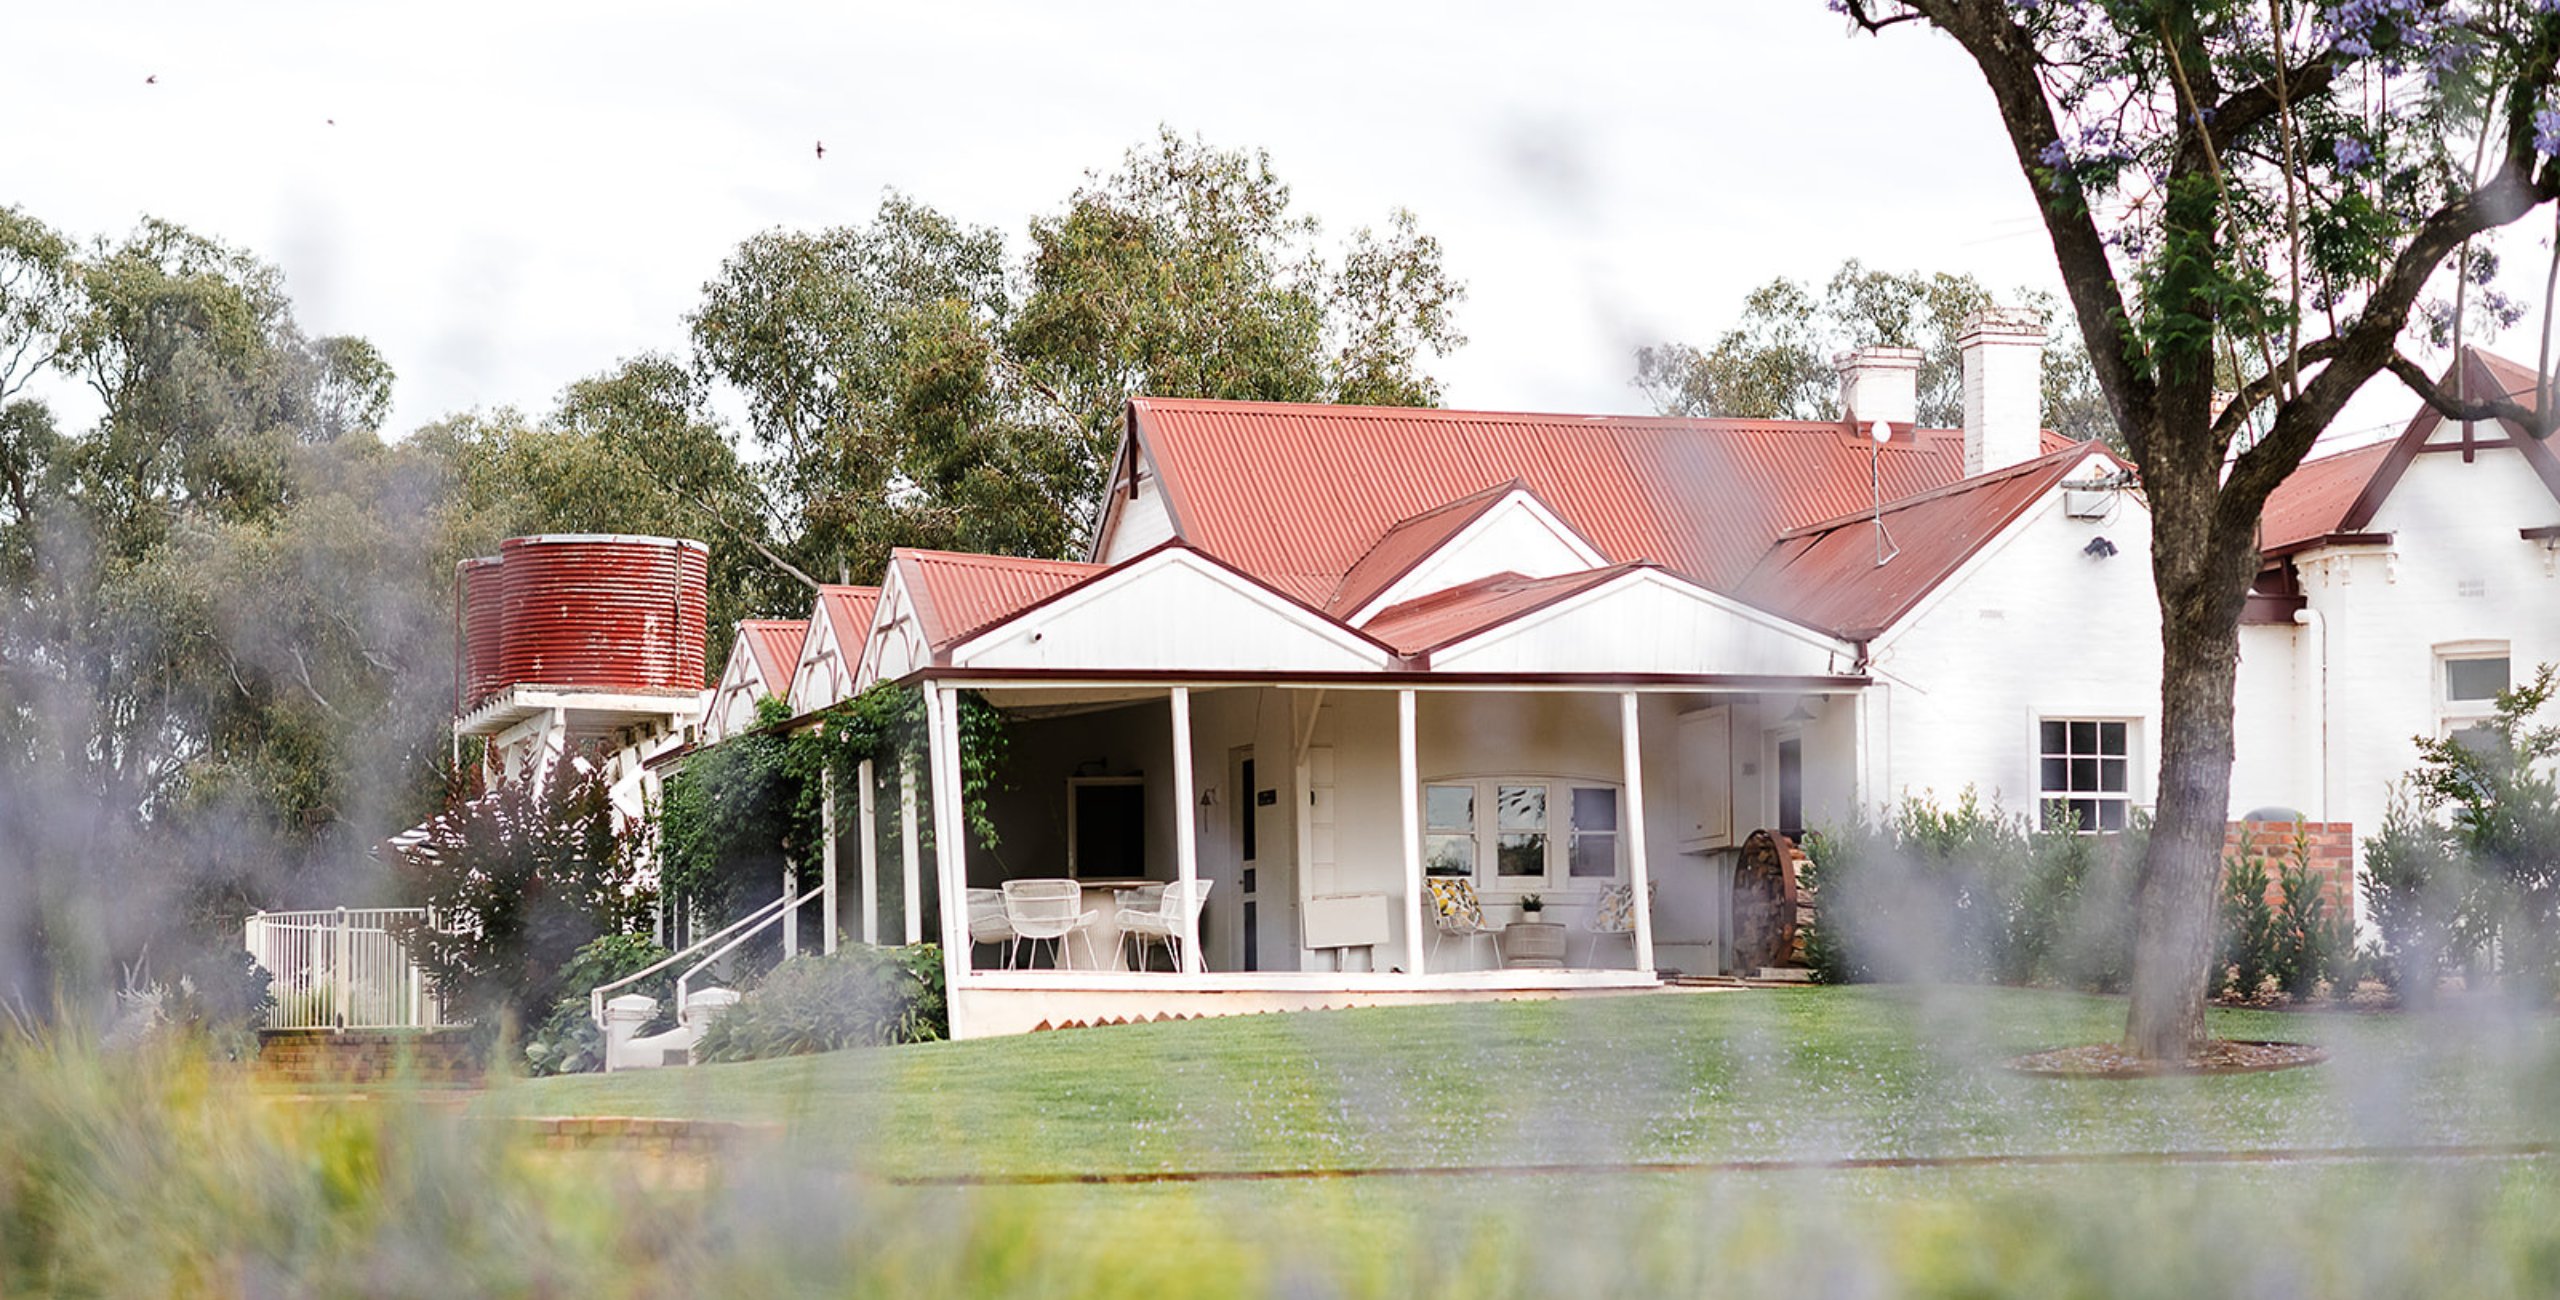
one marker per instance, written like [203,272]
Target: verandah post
[1638,872]
[870,827]
[827,871]
[1409,799]
[910,866]
[950,821]
[1186,828]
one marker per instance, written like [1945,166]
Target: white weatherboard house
[1323,657]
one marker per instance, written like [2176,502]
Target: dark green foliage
[1970,894]
[2314,943]
[568,1042]
[860,996]
[517,884]
[2469,871]
[2248,926]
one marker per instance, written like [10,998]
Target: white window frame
[1559,831]
[2132,758]
[2452,714]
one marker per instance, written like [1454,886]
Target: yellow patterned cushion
[1454,905]
[1617,911]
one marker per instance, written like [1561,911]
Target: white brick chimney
[1879,384]
[2003,387]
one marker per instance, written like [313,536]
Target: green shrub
[860,996]
[567,1041]
[2248,926]
[1970,893]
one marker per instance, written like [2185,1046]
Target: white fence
[342,969]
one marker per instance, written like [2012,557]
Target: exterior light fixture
[2098,548]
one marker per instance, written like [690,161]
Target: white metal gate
[343,969]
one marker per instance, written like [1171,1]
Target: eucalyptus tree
[2265,190]
[1775,363]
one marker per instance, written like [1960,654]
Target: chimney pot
[1879,384]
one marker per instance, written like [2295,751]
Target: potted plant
[1532,907]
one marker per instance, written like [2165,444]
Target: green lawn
[149,1175]
[1717,1077]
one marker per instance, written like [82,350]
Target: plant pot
[1533,943]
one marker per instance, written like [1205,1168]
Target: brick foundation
[430,1058]
[2332,856]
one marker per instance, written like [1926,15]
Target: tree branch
[2454,408]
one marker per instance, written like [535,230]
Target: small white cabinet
[1706,779]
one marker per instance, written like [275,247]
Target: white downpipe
[870,826]
[910,858]
[829,910]
[1409,798]
[2315,724]
[790,914]
[1186,827]
[1638,871]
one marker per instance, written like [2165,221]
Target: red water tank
[603,612]
[481,619]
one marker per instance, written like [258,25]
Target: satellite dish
[1883,432]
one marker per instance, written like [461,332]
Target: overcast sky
[508,197]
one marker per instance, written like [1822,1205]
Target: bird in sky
[152,80]
[822,149]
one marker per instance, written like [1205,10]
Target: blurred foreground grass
[146,1175]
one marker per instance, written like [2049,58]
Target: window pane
[1521,855]
[2111,774]
[2474,679]
[1449,855]
[2084,738]
[2084,776]
[2110,814]
[1594,809]
[2111,738]
[2052,733]
[1595,854]
[2057,774]
[2086,810]
[1449,807]
[1522,807]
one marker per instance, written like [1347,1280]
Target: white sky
[508,197]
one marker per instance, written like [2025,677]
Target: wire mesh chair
[1175,904]
[1456,912]
[1051,910]
[988,922]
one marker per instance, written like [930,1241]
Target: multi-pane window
[2469,686]
[2085,767]
[1532,832]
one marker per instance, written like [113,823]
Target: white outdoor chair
[1456,912]
[1615,914]
[988,922]
[1051,910]
[1163,922]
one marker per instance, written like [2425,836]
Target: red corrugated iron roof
[848,611]
[775,643]
[1430,622]
[1827,574]
[1298,495]
[2339,494]
[1408,543]
[2308,505]
[956,595]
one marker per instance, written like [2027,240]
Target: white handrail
[780,908]
[595,996]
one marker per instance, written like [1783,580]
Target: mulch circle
[2217,1056]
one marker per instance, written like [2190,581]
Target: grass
[1817,1074]
[148,1176]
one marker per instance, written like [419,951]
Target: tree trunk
[2202,586]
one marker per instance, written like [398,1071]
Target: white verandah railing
[343,969]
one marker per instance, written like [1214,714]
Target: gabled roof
[1299,495]
[1827,574]
[1420,626]
[2338,496]
[955,595]
[848,614]
[774,647]
[1407,543]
